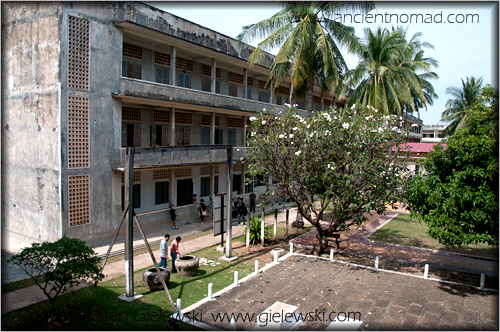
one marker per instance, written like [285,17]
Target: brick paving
[357,243]
[386,301]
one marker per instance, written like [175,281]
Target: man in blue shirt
[164,251]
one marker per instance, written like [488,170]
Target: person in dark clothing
[194,199]
[203,209]
[240,206]
[252,201]
[173,215]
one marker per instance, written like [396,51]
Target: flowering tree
[349,159]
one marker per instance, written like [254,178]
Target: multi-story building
[82,81]
[414,126]
[433,133]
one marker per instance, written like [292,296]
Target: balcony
[156,94]
[181,156]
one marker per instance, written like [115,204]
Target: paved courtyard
[386,301]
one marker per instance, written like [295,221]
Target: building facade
[433,133]
[82,81]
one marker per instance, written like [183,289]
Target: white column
[213,77]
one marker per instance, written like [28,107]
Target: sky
[464,45]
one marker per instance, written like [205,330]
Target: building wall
[31,133]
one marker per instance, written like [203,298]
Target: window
[279,101]
[184,80]
[231,136]
[219,136]
[161,192]
[205,187]
[131,135]
[264,96]
[159,135]
[205,135]
[301,104]
[183,135]
[217,87]
[137,196]
[206,84]
[162,75]
[233,90]
[131,69]
[249,93]
[216,183]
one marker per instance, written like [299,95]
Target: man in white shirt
[164,251]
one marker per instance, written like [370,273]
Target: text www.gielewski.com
[265,318]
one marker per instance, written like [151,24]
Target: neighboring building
[417,151]
[84,80]
[433,133]
[415,129]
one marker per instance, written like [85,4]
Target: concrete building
[82,81]
[433,133]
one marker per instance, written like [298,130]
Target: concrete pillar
[244,131]
[271,94]
[213,77]
[129,225]
[245,83]
[243,168]
[322,101]
[212,187]
[212,129]
[173,71]
[172,127]
[171,187]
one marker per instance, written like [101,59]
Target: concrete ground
[384,301]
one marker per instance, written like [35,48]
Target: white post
[232,324]
[291,248]
[376,262]
[426,271]
[179,308]
[236,278]
[481,285]
[256,267]
[331,254]
[210,291]
[275,256]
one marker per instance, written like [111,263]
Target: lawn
[98,308]
[403,230]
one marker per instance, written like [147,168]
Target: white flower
[353,106]
[311,135]
[281,136]
[264,109]
[291,143]
[295,128]
[308,126]
[253,118]
[291,135]
[263,122]
[345,125]
[298,152]
[295,105]
[287,105]
[253,133]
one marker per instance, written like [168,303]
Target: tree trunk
[310,95]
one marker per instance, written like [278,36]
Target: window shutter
[137,135]
[124,134]
[153,135]
[187,135]
[179,134]
[164,135]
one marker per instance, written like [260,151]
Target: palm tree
[464,98]
[309,43]
[386,77]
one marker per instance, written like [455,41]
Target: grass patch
[98,308]
[403,230]
[15,285]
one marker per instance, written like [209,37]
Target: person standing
[203,210]
[174,252]
[252,201]
[173,215]
[194,200]
[240,206]
[164,251]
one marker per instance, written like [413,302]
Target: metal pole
[222,220]
[124,214]
[229,184]
[262,224]
[154,262]
[129,225]
[275,231]
[248,232]
[286,223]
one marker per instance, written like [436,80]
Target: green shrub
[255,230]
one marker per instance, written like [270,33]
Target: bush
[64,263]
[255,230]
